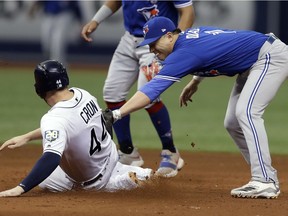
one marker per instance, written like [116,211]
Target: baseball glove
[108,117]
[152,69]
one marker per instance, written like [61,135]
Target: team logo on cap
[145,30]
[51,135]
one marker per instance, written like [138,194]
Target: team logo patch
[51,135]
[149,12]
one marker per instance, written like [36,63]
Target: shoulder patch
[51,135]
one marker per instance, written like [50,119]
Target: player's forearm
[33,135]
[106,10]
[42,169]
[195,81]
[113,5]
[138,101]
[187,17]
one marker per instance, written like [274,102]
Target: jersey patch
[51,135]
[149,12]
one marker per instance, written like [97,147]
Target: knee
[107,93]
[241,113]
[230,123]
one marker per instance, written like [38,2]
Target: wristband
[116,115]
[103,13]
[198,78]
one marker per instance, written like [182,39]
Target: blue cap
[156,28]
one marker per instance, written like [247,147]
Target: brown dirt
[201,188]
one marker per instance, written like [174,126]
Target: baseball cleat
[133,159]
[170,165]
[256,189]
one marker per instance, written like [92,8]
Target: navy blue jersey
[137,13]
[56,7]
[207,51]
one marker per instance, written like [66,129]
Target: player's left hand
[109,120]
[16,191]
[88,29]
[187,92]
[15,142]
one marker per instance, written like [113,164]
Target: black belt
[271,38]
[139,36]
[92,180]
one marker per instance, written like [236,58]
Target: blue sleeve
[76,10]
[42,169]
[155,87]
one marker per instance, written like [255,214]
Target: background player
[77,150]
[129,64]
[58,18]
[259,60]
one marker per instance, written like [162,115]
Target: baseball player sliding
[260,62]
[78,152]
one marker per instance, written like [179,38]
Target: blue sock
[122,129]
[160,118]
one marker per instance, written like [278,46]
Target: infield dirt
[202,188]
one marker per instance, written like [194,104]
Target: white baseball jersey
[75,130]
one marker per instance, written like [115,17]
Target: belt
[137,35]
[271,38]
[92,180]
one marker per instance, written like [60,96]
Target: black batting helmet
[50,75]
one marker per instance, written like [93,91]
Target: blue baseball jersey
[207,51]
[56,7]
[137,13]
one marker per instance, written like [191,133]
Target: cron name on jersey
[88,111]
[51,135]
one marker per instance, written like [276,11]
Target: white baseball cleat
[133,159]
[170,165]
[256,189]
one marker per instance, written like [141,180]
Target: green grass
[201,122]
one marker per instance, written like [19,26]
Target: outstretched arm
[42,169]
[22,139]
[138,101]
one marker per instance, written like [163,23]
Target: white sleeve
[54,135]
[182,5]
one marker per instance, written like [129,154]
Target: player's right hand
[88,29]
[15,142]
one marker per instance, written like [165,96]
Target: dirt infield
[201,188]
